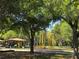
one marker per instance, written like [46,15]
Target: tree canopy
[38,13]
[63,32]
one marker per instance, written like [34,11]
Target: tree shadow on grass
[37,55]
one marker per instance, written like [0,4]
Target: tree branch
[68,21]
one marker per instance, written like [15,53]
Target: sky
[52,24]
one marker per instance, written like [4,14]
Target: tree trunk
[32,41]
[75,43]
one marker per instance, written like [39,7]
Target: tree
[56,9]
[66,32]
[9,34]
[51,39]
[42,38]
[69,11]
[24,13]
[57,33]
[62,31]
[33,25]
[7,9]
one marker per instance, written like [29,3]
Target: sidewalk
[14,49]
[46,51]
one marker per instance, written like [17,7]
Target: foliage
[51,39]
[9,34]
[66,31]
[63,32]
[69,11]
[38,14]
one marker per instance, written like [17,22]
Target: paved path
[37,50]
[15,49]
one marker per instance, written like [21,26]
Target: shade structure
[16,39]
[15,43]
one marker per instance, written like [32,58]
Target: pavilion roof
[16,39]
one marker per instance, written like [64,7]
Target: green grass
[54,57]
